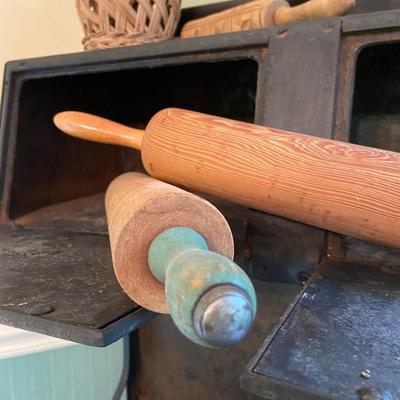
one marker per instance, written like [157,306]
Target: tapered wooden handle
[97,129]
[262,14]
[313,9]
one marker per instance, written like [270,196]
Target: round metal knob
[223,316]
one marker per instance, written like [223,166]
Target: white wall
[33,28]
[37,28]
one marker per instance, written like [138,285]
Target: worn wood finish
[341,187]
[251,15]
[264,13]
[100,130]
[138,209]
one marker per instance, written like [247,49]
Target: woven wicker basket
[115,23]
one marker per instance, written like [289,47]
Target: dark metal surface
[374,77]
[368,6]
[302,66]
[84,215]
[377,76]
[280,250]
[170,367]
[63,168]
[355,249]
[63,284]
[368,21]
[344,323]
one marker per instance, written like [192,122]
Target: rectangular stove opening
[51,167]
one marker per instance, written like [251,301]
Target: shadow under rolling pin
[172,253]
[341,187]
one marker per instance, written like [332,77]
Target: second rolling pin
[262,14]
[172,253]
[342,187]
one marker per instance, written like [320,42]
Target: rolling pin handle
[210,298]
[166,246]
[312,10]
[96,129]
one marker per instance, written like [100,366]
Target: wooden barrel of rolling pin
[138,209]
[342,187]
[172,252]
[262,14]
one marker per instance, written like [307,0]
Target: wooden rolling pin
[262,14]
[342,187]
[172,252]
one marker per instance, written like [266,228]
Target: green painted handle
[210,298]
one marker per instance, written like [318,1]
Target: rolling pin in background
[262,14]
[342,187]
[172,253]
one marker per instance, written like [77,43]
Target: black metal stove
[337,78]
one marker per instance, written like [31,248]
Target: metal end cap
[223,316]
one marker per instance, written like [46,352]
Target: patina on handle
[210,298]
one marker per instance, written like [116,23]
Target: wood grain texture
[97,129]
[251,15]
[138,208]
[341,187]
[262,14]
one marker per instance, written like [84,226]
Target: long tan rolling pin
[342,187]
[262,14]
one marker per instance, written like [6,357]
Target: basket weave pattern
[115,23]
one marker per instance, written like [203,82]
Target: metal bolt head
[366,374]
[223,316]
[40,309]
